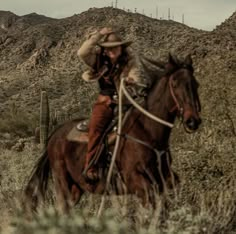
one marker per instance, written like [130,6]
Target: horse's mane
[152,70]
[156,69]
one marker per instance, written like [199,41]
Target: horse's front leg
[139,184]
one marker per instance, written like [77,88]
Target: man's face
[113,52]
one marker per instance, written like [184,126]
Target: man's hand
[105,31]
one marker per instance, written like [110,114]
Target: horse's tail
[38,182]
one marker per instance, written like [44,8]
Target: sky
[201,14]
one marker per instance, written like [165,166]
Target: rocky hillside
[38,53]
[228,27]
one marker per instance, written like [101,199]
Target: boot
[90,173]
[100,118]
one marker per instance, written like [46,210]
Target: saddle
[79,133]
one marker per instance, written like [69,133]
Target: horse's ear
[172,59]
[188,60]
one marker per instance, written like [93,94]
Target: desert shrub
[20,124]
[49,221]
[218,217]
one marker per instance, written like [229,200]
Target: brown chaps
[101,117]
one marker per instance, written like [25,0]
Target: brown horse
[143,162]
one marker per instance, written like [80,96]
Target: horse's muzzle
[192,124]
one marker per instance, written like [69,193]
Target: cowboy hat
[113,40]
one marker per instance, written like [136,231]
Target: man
[109,60]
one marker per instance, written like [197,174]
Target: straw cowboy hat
[113,40]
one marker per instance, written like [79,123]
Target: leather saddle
[79,133]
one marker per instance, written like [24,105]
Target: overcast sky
[202,14]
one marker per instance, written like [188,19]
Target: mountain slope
[38,52]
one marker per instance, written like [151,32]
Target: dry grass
[18,123]
[205,202]
[207,216]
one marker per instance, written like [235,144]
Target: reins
[141,109]
[122,91]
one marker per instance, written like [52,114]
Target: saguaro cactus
[54,120]
[44,119]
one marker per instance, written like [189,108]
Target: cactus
[44,119]
[54,120]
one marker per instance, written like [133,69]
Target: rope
[141,109]
[115,150]
[151,116]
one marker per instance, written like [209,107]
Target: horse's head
[184,91]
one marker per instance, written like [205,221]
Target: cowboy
[109,59]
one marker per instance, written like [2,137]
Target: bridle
[177,106]
[158,152]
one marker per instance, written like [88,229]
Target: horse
[143,161]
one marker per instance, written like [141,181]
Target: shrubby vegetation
[192,210]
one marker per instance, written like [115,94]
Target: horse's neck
[159,102]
